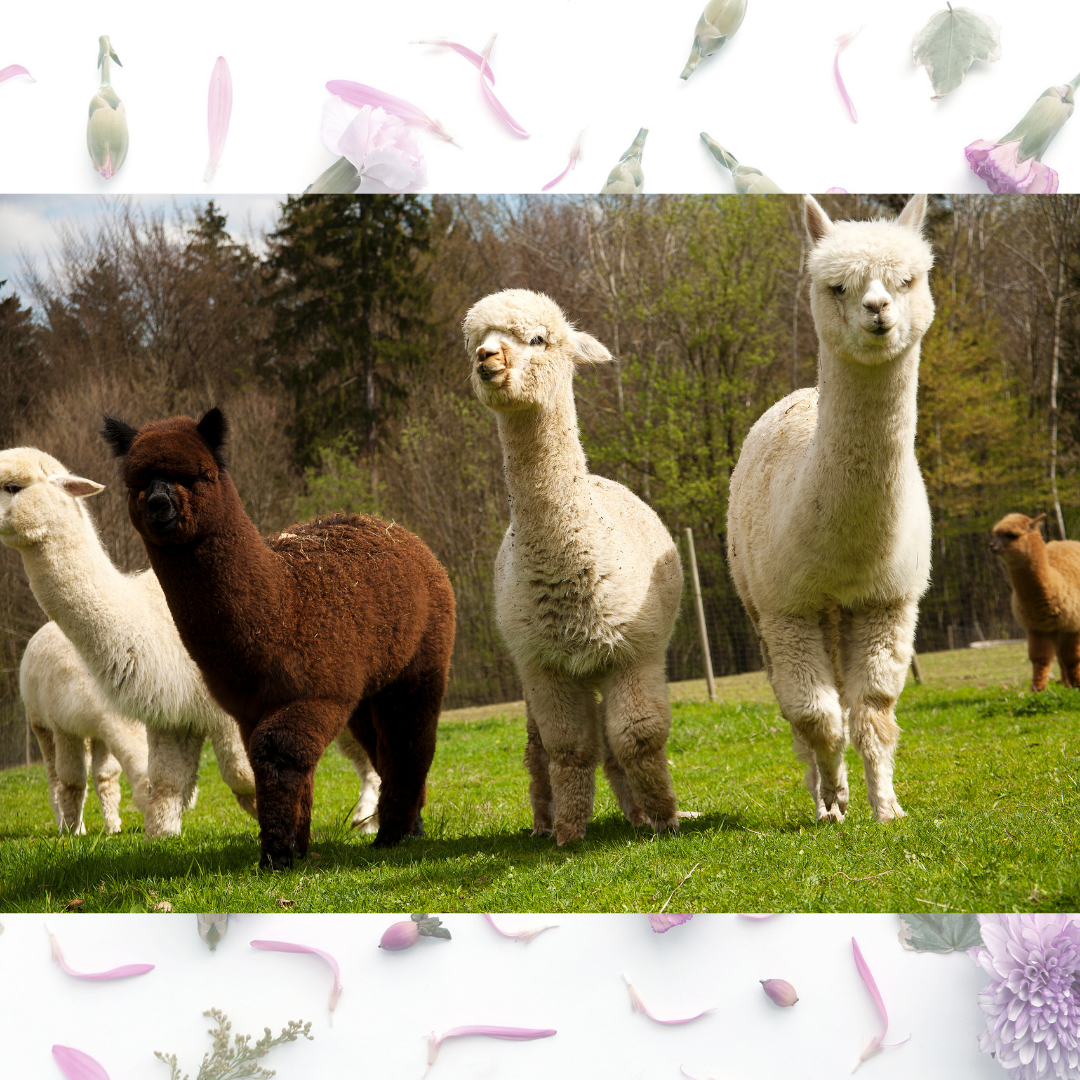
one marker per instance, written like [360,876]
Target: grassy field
[987,772]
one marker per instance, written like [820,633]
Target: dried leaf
[939,933]
[948,44]
[218,113]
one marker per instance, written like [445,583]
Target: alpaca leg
[365,818]
[1068,653]
[565,713]
[876,649]
[126,740]
[637,720]
[1041,655]
[72,762]
[47,743]
[284,749]
[405,717]
[233,761]
[106,772]
[804,684]
[173,772]
[303,818]
[539,765]
[619,783]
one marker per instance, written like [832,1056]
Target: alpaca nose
[876,304]
[489,362]
[159,503]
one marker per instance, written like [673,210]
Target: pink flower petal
[218,112]
[513,1033]
[769,916]
[837,191]
[878,1042]
[360,95]
[691,1076]
[288,946]
[113,973]
[520,935]
[493,101]
[474,58]
[842,41]
[15,69]
[998,165]
[661,923]
[639,1006]
[575,153]
[76,1065]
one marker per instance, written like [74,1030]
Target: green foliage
[337,483]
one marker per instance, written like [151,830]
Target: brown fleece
[1046,594]
[340,620]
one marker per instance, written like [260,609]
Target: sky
[28,223]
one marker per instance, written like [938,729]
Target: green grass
[987,772]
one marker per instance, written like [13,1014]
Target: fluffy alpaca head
[173,470]
[38,496]
[869,282]
[524,349]
[1014,536]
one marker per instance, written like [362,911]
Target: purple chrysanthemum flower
[1033,1004]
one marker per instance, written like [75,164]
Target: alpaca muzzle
[161,512]
[489,364]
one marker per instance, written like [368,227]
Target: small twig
[932,903]
[751,798]
[676,889]
[840,873]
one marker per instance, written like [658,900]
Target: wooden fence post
[702,629]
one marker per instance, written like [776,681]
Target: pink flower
[998,165]
[661,924]
[382,148]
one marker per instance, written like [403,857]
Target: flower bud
[403,935]
[106,130]
[719,20]
[627,177]
[747,181]
[780,993]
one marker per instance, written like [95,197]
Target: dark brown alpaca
[344,620]
[1046,595]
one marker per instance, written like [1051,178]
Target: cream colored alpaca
[1046,595]
[828,521]
[587,581]
[121,626]
[77,729]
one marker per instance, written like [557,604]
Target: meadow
[986,771]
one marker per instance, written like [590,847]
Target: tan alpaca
[1046,594]
[828,521]
[587,581]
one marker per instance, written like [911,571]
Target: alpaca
[1045,595]
[343,620]
[76,728]
[587,580]
[828,520]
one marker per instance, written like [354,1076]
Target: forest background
[335,351]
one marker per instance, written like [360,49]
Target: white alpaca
[122,629]
[76,728]
[828,522]
[587,581]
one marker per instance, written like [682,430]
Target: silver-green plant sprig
[238,1062]
[747,181]
[627,177]
[106,130]
[718,22]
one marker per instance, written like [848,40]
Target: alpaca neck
[865,435]
[1030,571]
[79,588]
[545,472]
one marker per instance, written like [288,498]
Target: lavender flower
[1032,1005]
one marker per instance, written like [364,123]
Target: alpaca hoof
[418,828]
[565,834]
[366,826]
[636,816]
[389,836]
[666,826]
[246,802]
[277,860]
[829,814]
[890,812]
[543,825]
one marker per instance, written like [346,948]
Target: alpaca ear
[118,435]
[78,487]
[913,215]
[587,350]
[213,427]
[818,224]
[1033,524]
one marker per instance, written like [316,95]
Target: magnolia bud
[402,935]
[106,130]
[780,993]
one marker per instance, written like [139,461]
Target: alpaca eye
[907,284]
[12,489]
[838,290]
[537,340]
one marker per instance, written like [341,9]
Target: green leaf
[939,933]
[950,41]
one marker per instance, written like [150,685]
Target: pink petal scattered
[474,58]
[661,923]
[360,95]
[76,1065]
[288,946]
[15,69]
[692,1076]
[520,935]
[218,112]
[493,101]
[113,973]
[837,191]
[741,916]
[575,153]
[639,1006]
[877,1043]
[513,1033]
[841,42]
